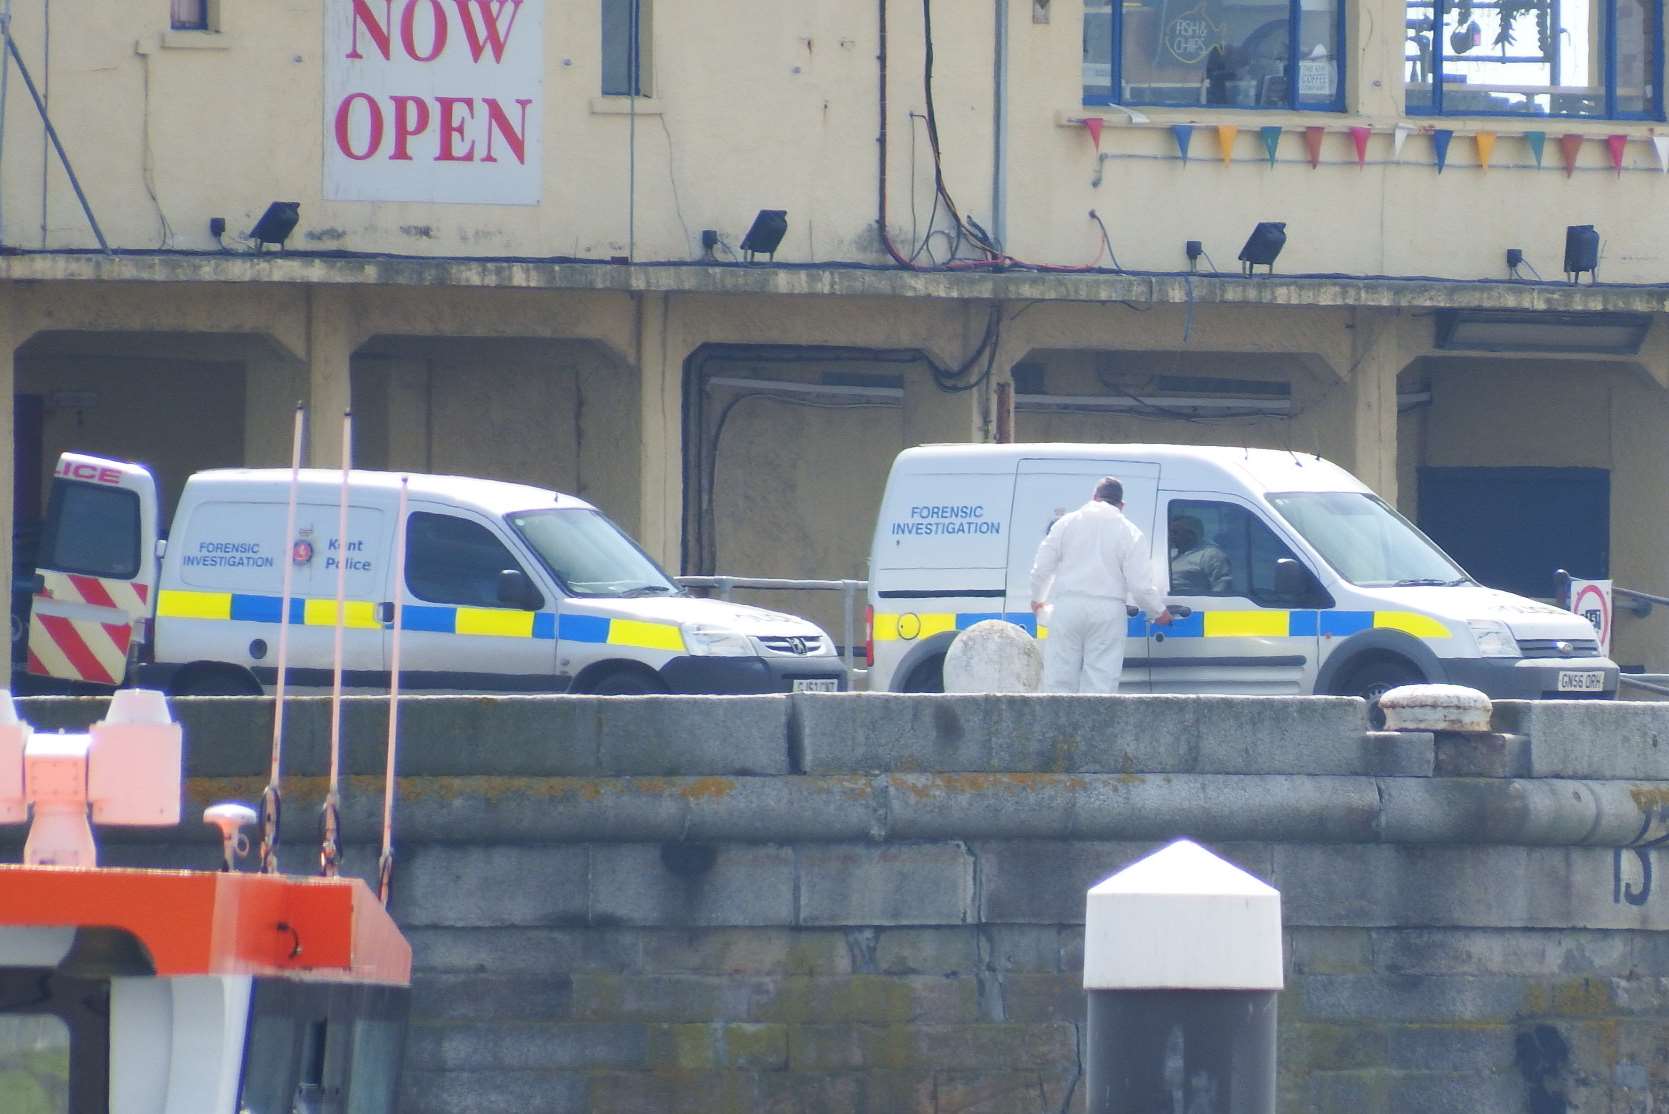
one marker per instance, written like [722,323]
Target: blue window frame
[1218,53]
[1569,58]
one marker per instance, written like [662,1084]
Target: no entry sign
[1591,599]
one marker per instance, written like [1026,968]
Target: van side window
[1222,549]
[91,530]
[453,560]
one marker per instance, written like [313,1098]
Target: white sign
[434,100]
[1591,599]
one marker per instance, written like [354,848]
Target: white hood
[738,617]
[1526,618]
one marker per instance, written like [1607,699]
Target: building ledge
[828,280]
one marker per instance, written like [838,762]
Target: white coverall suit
[1092,561]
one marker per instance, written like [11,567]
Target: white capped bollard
[1182,964]
[993,655]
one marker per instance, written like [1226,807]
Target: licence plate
[1581,680]
[816,684]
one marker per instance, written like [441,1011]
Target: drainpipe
[999,127]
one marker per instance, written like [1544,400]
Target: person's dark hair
[1109,490]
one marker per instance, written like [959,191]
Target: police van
[503,587]
[1295,576]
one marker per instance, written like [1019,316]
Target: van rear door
[1046,489]
[97,568]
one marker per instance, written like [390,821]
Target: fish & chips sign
[434,100]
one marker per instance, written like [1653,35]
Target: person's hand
[1037,607]
[1163,619]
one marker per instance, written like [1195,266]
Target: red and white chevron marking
[124,595]
[78,649]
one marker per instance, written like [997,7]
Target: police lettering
[81,470]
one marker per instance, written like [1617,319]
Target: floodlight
[1263,245]
[766,233]
[1581,252]
[276,223]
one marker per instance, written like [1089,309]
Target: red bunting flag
[1618,144]
[1570,146]
[1312,142]
[1093,125]
[1359,136]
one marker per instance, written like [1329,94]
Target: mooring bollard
[1182,963]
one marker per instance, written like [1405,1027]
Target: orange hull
[201,923]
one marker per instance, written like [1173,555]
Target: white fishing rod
[272,801]
[385,864]
[330,821]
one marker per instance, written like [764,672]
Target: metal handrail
[1638,681]
[850,592]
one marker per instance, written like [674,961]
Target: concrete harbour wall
[875,902]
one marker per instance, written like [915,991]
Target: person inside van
[1198,567]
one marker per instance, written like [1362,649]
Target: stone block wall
[869,902]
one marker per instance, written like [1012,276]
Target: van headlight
[1494,639]
[716,642]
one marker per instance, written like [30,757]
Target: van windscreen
[589,555]
[1365,541]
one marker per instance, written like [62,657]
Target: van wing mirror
[516,590]
[1292,581]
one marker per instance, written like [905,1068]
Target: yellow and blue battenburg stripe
[489,622]
[1260,623]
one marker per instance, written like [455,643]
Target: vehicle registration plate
[816,684]
[1581,680]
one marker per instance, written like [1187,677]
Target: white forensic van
[504,587]
[1299,579]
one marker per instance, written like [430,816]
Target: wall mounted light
[765,234]
[1263,245]
[1515,259]
[1581,252]
[276,224]
[1501,330]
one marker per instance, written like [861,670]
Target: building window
[189,15]
[625,48]
[1534,58]
[1225,53]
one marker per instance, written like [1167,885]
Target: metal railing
[851,592]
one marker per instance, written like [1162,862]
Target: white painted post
[1182,964]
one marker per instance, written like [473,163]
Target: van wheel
[214,682]
[627,682]
[929,676]
[1375,680]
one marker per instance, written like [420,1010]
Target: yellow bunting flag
[1225,141]
[1486,147]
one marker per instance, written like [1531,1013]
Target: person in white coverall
[1091,563]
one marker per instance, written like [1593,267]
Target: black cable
[1106,238]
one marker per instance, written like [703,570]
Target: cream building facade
[500,262]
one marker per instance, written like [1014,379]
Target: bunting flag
[1660,144]
[1271,140]
[1092,124]
[1618,145]
[1312,143]
[1570,146]
[1486,148]
[1184,135]
[1359,136]
[1398,138]
[1536,140]
[1225,141]
[1440,145]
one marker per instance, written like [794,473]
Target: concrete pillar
[331,340]
[1182,964]
[661,347]
[273,384]
[1355,420]
[934,415]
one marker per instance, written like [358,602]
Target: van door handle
[385,612]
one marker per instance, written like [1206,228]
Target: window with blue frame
[1224,53]
[1594,58]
